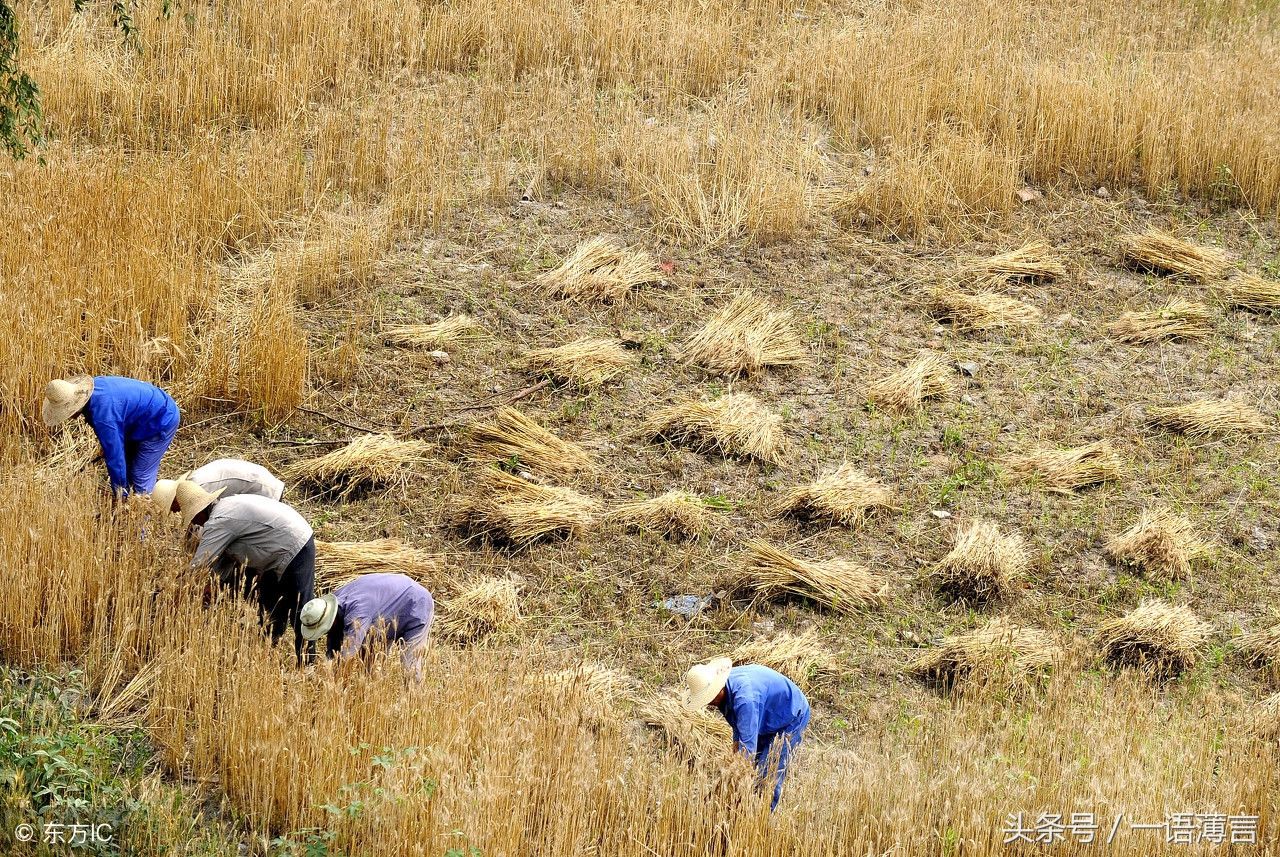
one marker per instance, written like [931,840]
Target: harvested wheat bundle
[982,310]
[338,563]
[927,376]
[1065,470]
[1261,648]
[746,335]
[602,270]
[1031,263]
[673,515]
[371,461]
[1157,637]
[1161,253]
[488,606]
[838,584]
[800,657]
[1162,544]
[513,511]
[1209,417]
[1252,292]
[846,495]
[75,447]
[984,565]
[734,424]
[1178,319]
[511,437]
[447,331]
[586,362]
[998,655]
[694,733]
[1264,719]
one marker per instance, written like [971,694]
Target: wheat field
[237,205]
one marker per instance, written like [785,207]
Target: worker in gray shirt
[257,545]
[373,610]
[232,475]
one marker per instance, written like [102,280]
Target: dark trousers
[280,599]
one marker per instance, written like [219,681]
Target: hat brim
[311,633]
[718,680]
[188,515]
[54,413]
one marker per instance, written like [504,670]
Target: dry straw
[75,447]
[1261,648]
[745,336]
[447,331]
[513,439]
[513,511]
[1253,292]
[693,733]
[839,584]
[1163,545]
[1264,719]
[982,310]
[673,515]
[927,376]
[1065,470]
[601,270]
[984,565]
[370,461]
[800,657]
[1178,319]
[587,362]
[845,496]
[1209,417]
[1156,637]
[592,688]
[1162,253]
[734,424]
[1000,656]
[1032,263]
[487,607]
[338,563]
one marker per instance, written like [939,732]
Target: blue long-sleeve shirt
[760,702]
[125,410]
[398,604]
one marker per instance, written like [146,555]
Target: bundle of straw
[927,376]
[1178,319]
[673,515]
[1065,470]
[487,607]
[746,335]
[983,566]
[1162,544]
[845,496]
[1032,263]
[693,733]
[839,584]
[1209,417]
[982,310]
[800,657]
[601,270]
[999,656]
[1253,292]
[339,563]
[455,328]
[1264,719]
[734,424]
[1161,253]
[587,362]
[370,461]
[514,439]
[1156,637]
[1261,648]
[512,511]
[75,448]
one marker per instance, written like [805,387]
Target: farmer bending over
[231,476]
[134,421]
[270,540]
[763,707]
[390,608]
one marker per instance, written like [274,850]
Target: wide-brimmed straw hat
[64,397]
[704,681]
[317,616]
[162,496]
[192,500]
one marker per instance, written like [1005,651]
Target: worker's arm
[748,709]
[112,441]
[357,628]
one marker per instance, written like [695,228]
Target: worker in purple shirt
[373,609]
[763,707]
[135,422]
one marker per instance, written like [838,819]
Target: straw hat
[192,500]
[63,399]
[704,681]
[317,616]
[163,494]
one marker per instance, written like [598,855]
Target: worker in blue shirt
[135,422]
[765,708]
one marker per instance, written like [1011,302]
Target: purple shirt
[395,602]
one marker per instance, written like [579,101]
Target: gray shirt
[262,533]
[237,477]
[391,604]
